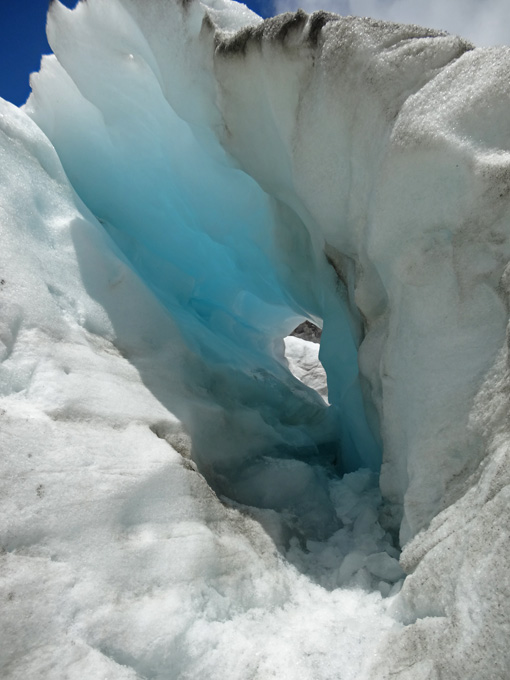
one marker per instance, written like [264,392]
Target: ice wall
[138,143]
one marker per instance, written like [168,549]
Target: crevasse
[234,264]
[285,171]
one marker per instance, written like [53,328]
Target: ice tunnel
[258,173]
[237,266]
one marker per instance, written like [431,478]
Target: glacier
[187,490]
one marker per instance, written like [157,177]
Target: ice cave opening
[287,444]
[238,263]
[304,465]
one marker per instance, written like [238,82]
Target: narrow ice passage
[209,241]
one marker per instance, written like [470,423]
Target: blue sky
[23,40]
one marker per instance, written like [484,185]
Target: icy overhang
[303,167]
[235,266]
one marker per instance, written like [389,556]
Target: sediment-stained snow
[182,494]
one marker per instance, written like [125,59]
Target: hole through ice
[234,267]
[270,441]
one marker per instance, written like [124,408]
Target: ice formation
[183,495]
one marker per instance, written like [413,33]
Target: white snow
[304,363]
[184,493]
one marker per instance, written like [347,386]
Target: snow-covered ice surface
[183,495]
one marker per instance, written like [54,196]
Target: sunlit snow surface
[175,198]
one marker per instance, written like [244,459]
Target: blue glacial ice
[208,240]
